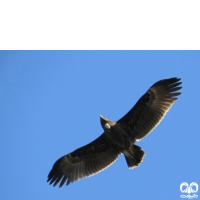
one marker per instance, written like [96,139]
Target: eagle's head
[106,123]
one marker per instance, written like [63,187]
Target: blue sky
[50,102]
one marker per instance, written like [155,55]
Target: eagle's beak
[102,117]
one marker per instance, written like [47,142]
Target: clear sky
[50,102]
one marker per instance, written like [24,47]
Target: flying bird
[119,137]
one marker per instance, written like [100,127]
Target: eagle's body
[119,136]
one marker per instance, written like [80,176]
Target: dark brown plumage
[118,137]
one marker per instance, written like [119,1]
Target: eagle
[119,137]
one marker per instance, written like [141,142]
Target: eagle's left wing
[151,108]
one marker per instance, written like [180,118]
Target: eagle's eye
[107,126]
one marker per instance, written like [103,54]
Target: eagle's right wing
[85,161]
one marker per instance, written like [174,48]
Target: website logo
[189,189]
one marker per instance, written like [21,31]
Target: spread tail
[134,156]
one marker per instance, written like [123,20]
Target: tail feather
[134,156]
